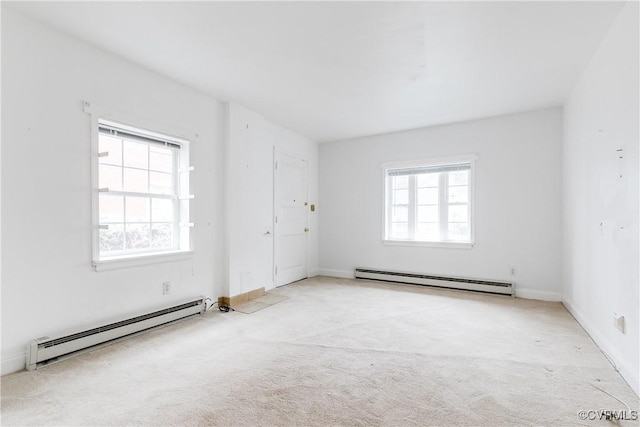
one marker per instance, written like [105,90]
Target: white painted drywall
[517,201]
[48,285]
[249,147]
[601,208]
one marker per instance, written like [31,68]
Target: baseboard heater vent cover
[486,286]
[46,350]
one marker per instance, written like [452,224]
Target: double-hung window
[429,202]
[141,204]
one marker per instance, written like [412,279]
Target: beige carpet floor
[336,352]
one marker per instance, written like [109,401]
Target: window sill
[446,245]
[138,260]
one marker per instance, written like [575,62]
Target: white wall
[249,158]
[48,285]
[601,208]
[517,201]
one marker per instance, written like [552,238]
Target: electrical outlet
[513,271]
[166,287]
[618,322]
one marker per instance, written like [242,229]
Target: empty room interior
[320,213]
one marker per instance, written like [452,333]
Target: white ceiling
[337,70]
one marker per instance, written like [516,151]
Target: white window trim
[434,161]
[417,243]
[96,114]
[141,259]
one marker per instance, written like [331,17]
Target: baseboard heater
[486,286]
[46,350]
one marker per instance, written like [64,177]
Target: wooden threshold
[239,299]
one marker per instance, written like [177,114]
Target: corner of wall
[226,117]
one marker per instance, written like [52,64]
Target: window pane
[458,213]
[136,180]
[459,231]
[399,230]
[141,210]
[429,231]
[400,181]
[428,213]
[138,209]
[111,208]
[110,145]
[110,177]
[138,236]
[400,214]
[400,197]
[162,236]
[416,204]
[160,159]
[136,155]
[427,196]
[161,183]
[428,179]
[161,210]
[459,178]
[459,194]
[112,239]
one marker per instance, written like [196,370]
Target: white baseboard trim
[623,366]
[336,273]
[13,364]
[538,295]
[313,273]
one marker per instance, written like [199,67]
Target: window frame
[184,237]
[431,162]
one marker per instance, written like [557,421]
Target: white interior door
[290,222]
